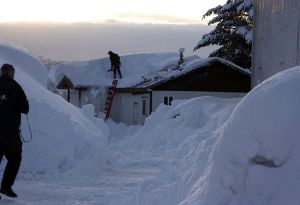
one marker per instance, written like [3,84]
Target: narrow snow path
[121,183]
[109,188]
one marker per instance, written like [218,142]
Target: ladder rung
[110,94]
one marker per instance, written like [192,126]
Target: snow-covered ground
[143,163]
[204,150]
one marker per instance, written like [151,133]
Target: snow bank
[210,151]
[64,139]
[22,60]
[177,122]
[256,159]
[179,139]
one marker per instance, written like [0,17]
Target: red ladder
[110,96]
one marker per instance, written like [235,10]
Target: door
[135,118]
[145,108]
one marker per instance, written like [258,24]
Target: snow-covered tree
[233,31]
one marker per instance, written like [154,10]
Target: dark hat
[110,52]
[7,70]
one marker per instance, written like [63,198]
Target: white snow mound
[24,61]
[179,138]
[64,138]
[256,159]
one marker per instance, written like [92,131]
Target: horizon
[86,41]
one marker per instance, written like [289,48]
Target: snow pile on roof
[64,138]
[191,63]
[80,73]
[21,59]
[138,70]
[94,72]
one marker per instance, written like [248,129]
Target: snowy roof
[191,63]
[138,70]
[80,73]
[94,73]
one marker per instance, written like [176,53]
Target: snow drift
[64,138]
[176,140]
[210,151]
[256,158]
[23,60]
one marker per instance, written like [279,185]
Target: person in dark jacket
[13,102]
[115,64]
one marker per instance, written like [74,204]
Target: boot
[8,192]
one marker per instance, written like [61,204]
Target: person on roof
[13,102]
[115,64]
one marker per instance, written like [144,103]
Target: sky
[153,11]
[86,29]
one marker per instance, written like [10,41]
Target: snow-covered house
[276,37]
[74,92]
[86,82]
[196,77]
[77,85]
[148,80]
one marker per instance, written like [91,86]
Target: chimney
[181,60]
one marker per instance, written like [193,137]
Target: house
[209,77]
[276,42]
[86,82]
[77,84]
[149,80]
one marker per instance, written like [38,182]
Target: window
[168,100]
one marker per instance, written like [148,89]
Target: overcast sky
[87,29]
[90,41]
[153,11]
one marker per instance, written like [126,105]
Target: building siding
[128,108]
[275,38]
[158,96]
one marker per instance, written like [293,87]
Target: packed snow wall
[65,138]
[21,59]
[276,43]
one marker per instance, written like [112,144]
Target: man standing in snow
[13,102]
[115,64]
